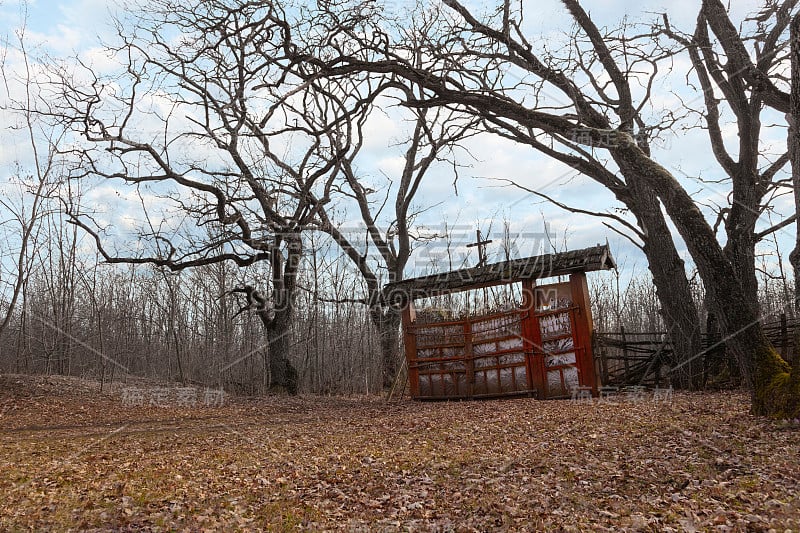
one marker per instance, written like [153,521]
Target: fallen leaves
[700,462]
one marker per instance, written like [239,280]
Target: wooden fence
[646,358]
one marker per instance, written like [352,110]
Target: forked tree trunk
[746,197]
[669,277]
[277,320]
[282,373]
[794,152]
[740,248]
[775,392]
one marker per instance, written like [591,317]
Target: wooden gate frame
[572,263]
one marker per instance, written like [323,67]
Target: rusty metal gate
[482,356]
[541,349]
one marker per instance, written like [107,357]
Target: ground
[149,458]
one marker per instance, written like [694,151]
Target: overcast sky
[66,28]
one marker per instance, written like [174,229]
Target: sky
[65,28]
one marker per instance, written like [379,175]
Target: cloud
[74,27]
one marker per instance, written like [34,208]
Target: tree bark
[793,141]
[794,153]
[281,371]
[672,288]
[276,315]
[387,320]
[746,205]
[774,391]
[284,276]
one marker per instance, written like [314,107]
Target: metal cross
[481,244]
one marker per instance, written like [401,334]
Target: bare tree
[491,69]
[723,72]
[221,128]
[434,136]
[24,212]
[485,53]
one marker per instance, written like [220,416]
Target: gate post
[583,329]
[409,316]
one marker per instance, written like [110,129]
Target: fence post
[469,359]
[601,352]
[784,336]
[658,370]
[625,353]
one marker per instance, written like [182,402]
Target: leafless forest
[214,216]
[201,209]
[76,316]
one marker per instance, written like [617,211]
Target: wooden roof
[540,266]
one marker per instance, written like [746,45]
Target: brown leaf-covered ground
[72,458]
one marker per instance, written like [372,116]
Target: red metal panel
[440,359]
[533,337]
[468,355]
[583,330]
[558,348]
[481,356]
[559,351]
[498,349]
[506,353]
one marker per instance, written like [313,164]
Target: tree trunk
[388,323]
[669,277]
[740,228]
[774,391]
[282,373]
[716,365]
[794,151]
[277,316]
